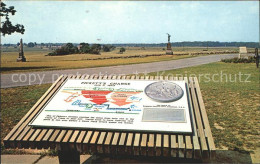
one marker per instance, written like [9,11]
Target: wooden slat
[118,77]
[121,144]
[33,137]
[195,139]
[93,141]
[85,146]
[199,123]
[74,136]
[35,134]
[64,143]
[87,137]
[27,136]
[80,140]
[129,146]
[60,136]
[114,143]
[47,136]
[166,145]
[100,142]
[181,146]
[208,133]
[73,139]
[136,144]
[54,136]
[39,140]
[123,77]
[143,144]
[20,137]
[174,146]
[158,145]
[41,135]
[188,147]
[108,142]
[78,76]
[114,77]
[67,136]
[150,145]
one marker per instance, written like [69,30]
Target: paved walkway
[33,78]
[37,159]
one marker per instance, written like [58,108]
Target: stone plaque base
[169,49]
[169,52]
[21,59]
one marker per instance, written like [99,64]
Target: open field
[37,61]
[232,107]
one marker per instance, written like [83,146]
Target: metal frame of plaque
[125,105]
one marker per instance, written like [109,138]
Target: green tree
[122,49]
[95,49]
[84,48]
[6,26]
[70,48]
[31,44]
[107,48]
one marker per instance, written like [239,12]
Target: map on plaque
[160,106]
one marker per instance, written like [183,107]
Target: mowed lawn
[37,61]
[232,107]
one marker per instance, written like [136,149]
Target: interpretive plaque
[138,105]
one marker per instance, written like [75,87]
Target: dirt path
[33,78]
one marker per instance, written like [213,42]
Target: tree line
[83,48]
[174,44]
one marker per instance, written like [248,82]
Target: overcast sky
[135,22]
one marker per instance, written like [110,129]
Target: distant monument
[169,48]
[243,53]
[21,57]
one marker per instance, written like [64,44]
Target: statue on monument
[21,57]
[169,37]
[169,49]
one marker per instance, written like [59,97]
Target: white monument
[243,52]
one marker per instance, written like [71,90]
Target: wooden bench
[71,142]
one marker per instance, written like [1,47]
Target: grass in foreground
[232,104]
[232,108]
[16,102]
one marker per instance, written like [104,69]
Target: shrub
[122,49]
[95,49]
[108,48]
[250,59]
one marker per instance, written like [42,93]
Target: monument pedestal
[19,59]
[169,49]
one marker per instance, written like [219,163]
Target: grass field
[37,61]
[232,107]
